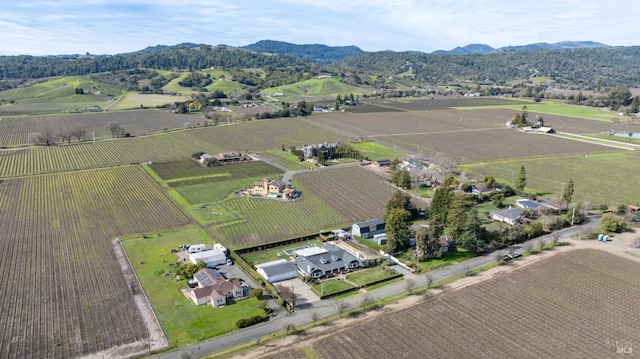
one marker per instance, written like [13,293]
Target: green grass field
[370,275]
[133,100]
[181,320]
[555,108]
[329,87]
[374,151]
[599,178]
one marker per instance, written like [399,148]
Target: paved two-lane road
[327,307]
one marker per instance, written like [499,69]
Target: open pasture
[16,130]
[62,292]
[560,109]
[329,87]
[574,305]
[133,100]
[606,178]
[58,93]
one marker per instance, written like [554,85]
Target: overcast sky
[39,27]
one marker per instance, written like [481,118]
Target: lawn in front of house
[371,275]
[182,321]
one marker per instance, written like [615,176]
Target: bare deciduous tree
[429,278]
[46,137]
[410,285]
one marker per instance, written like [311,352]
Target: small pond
[635,135]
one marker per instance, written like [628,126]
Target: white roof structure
[211,257]
[267,264]
[309,251]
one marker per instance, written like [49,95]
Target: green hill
[318,87]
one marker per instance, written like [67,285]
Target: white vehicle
[196,248]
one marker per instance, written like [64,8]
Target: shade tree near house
[474,237]
[610,222]
[397,229]
[427,244]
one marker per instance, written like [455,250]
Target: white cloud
[115,26]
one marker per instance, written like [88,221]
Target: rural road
[327,307]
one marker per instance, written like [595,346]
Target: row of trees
[48,136]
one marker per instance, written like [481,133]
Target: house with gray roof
[511,215]
[331,261]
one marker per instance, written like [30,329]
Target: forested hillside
[571,68]
[319,53]
[579,69]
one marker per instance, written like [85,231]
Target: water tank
[605,238]
[600,236]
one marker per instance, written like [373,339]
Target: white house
[278,270]
[368,229]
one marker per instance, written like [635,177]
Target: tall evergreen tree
[521,180]
[567,192]
[397,229]
[474,236]
[440,205]
[427,244]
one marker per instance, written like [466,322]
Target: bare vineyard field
[356,194]
[178,171]
[492,145]
[453,120]
[256,136]
[62,292]
[441,103]
[574,305]
[163,147]
[15,130]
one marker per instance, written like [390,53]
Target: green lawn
[370,275]
[437,263]
[374,151]
[330,286]
[182,321]
[286,159]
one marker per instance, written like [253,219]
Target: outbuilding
[277,270]
[211,258]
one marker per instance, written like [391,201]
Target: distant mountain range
[486,49]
